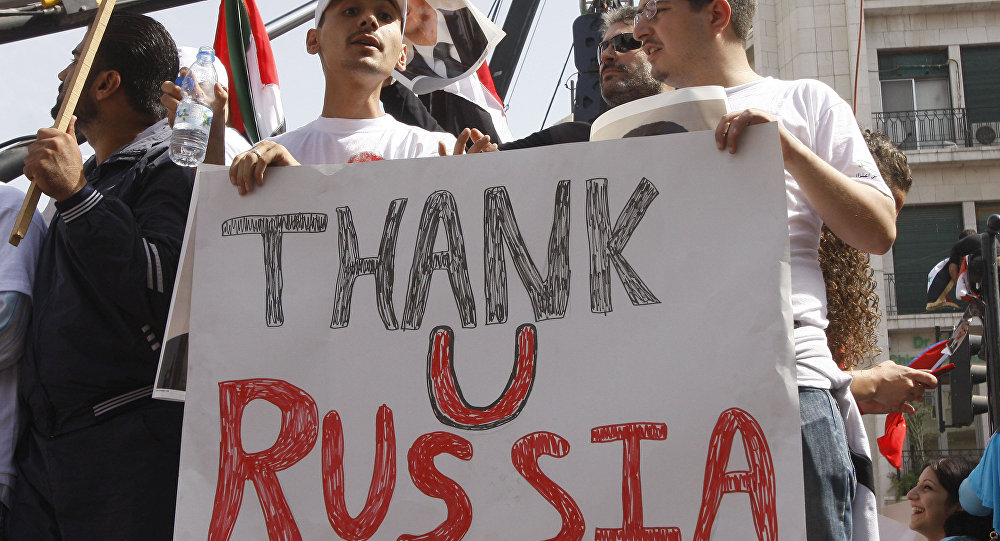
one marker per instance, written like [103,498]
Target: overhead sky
[30,66]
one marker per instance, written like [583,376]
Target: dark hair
[655,128]
[967,233]
[142,52]
[741,19]
[951,471]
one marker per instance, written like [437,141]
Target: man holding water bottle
[98,457]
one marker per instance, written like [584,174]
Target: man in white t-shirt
[17,271]
[359,44]
[831,178]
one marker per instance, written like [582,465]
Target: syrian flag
[241,43]
[476,105]
[484,95]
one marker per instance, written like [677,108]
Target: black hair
[951,471]
[142,52]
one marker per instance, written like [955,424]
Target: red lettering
[632,526]
[296,438]
[433,483]
[524,455]
[446,397]
[758,481]
[383,477]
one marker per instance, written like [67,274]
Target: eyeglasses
[648,11]
[621,43]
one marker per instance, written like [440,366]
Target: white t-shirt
[349,140]
[819,118]
[17,272]
[17,265]
[235,143]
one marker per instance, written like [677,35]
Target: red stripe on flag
[265,57]
[221,46]
[486,78]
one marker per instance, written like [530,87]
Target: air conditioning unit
[985,133]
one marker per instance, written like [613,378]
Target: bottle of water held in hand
[194,117]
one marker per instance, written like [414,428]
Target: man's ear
[312,41]
[401,65]
[720,13]
[105,84]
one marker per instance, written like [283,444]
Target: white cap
[188,55]
[401,4]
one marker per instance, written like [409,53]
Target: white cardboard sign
[588,341]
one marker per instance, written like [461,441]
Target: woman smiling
[936,512]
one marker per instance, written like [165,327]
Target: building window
[916,98]
[924,236]
[981,77]
[983,211]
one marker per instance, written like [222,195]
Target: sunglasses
[621,43]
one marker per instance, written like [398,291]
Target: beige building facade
[927,75]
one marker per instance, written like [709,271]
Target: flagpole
[73,90]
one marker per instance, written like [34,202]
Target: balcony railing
[930,128]
[906,293]
[891,306]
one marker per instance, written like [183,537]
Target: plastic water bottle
[189,140]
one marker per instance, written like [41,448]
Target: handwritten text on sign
[401,324]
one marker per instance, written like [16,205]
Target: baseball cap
[401,4]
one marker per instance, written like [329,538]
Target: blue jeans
[828,472]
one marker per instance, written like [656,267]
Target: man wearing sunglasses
[830,177]
[625,76]
[625,73]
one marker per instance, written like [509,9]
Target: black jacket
[103,284]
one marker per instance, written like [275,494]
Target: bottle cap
[206,54]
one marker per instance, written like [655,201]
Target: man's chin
[366,65]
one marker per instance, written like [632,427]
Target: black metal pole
[507,54]
[292,19]
[991,317]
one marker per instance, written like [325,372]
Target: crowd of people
[84,300]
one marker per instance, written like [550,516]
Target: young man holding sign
[359,44]
[830,177]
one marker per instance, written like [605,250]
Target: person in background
[852,304]
[936,511]
[99,457]
[17,273]
[625,75]
[830,177]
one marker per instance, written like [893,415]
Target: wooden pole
[73,90]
